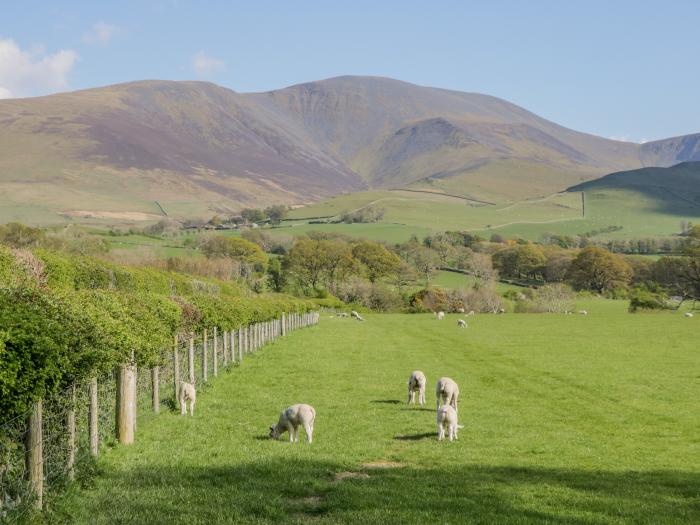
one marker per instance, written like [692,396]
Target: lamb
[417,382]
[447,390]
[502,311]
[342,314]
[471,313]
[583,312]
[440,316]
[447,419]
[460,310]
[356,316]
[291,418]
[461,323]
[689,314]
[187,393]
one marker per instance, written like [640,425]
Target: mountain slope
[197,148]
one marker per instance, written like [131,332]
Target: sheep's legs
[421,397]
[411,396]
[183,409]
[309,429]
[441,432]
[192,408]
[290,429]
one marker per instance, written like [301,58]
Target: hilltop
[144,149]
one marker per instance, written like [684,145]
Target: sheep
[460,310]
[356,316]
[342,314]
[187,393]
[447,418]
[471,313]
[416,382]
[291,418]
[461,323]
[447,390]
[583,312]
[440,315]
[689,314]
[502,311]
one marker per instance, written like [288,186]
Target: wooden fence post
[233,345]
[225,338]
[205,364]
[35,453]
[70,423]
[190,360]
[155,389]
[93,419]
[176,370]
[216,352]
[284,324]
[240,345]
[126,404]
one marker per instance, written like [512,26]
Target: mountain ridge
[201,148]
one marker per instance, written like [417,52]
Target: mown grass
[568,419]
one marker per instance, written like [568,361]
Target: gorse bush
[69,317]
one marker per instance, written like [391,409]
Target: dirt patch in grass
[382,464]
[341,476]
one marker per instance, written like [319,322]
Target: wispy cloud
[626,138]
[33,72]
[205,65]
[101,33]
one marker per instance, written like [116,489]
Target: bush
[551,298]
[647,298]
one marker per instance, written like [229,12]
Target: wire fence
[44,449]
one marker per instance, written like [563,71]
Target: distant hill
[190,149]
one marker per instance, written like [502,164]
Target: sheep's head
[274,433]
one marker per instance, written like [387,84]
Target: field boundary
[60,435]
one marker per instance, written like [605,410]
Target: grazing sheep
[689,314]
[291,418]
[356,316]
[471,313]
[416,382]
[461,323]
[342,314]
[187,393]
[460,310]
[502,311]
[440,316]
[583,312]
[447,390]
[447,419]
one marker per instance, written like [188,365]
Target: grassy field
[639,214]
[568,419]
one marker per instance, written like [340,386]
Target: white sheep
[461,310]
[447,419]
[291,418]
[440,315]
[689,314]
[342,314]
[187,393]
[417,382]
[447,390]
[471,313]
[583,312]
[502,311]
[356,316]
[461,323]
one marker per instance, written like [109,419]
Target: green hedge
[65,318]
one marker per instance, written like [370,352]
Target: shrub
[647,298]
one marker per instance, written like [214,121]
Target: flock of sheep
[302,415]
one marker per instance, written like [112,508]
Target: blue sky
[623,69]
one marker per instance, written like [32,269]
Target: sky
[621,69]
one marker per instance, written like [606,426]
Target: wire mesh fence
[42,449]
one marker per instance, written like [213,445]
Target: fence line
[42,449]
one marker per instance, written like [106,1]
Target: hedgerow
[67,317]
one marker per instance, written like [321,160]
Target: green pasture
[568,420]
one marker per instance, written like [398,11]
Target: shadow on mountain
[674,190]
[300,490]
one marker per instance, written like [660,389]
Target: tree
[598,270]
[522,260]
[276,276]
[376,259]
[276,213]
[234,248]
[425,261]
[253,215]
[306,261]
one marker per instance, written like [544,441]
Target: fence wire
[65,452]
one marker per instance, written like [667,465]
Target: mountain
[142,149]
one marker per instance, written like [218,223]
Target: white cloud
[101,33]
[204,65]
[33,72]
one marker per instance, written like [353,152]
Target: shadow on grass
[387,401]
[416,437]
[294,490]
[419,409]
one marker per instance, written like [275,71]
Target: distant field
[637,213]
[580,420]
